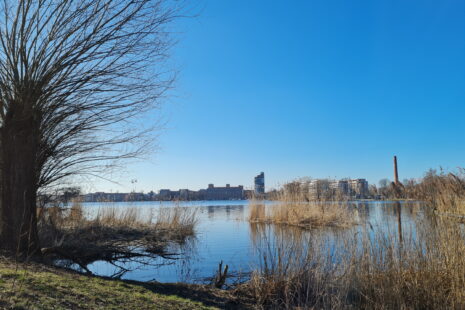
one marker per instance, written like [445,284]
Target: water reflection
[225,234]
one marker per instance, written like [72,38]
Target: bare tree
[383,183]
[74,77]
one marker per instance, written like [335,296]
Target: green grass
[38,287]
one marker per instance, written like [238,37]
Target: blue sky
[310,88]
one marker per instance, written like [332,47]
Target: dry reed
[113,233]
[445,192]
[425,270]
[296,204]
[174,218]
[304,215]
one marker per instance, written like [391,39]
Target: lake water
[224,234]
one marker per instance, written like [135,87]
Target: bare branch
[86,70]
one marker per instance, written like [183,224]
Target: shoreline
[36,286]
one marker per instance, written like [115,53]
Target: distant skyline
[310,88]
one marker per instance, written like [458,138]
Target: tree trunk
[18,210]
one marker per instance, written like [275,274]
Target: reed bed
[304,215]
[424,269]
[445,192]
[296,204]
[174,218]
[291,208]
[113,233]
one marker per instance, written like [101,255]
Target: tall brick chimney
[396,175]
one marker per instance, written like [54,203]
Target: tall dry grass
[445,192]
[113,231]
[257,212]
[295,204]
[304,215]
[426,270]
[174,218]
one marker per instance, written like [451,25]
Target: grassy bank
[35,286]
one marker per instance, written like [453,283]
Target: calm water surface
[224,234]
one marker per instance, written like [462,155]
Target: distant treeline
[443,191]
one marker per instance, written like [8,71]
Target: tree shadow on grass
[209,296]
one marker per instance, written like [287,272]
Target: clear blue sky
[311,88]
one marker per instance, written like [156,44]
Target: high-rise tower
[259,183]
